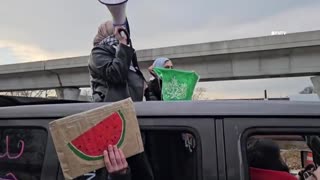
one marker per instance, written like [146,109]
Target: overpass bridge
[290,55]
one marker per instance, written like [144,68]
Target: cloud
[298,19]
[55,26]
[25,53]
[51,29]
[163,33]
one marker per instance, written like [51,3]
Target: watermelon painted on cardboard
[177,85]
[110,131]
[80,139]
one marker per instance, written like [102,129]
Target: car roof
[180,109]
[19,101]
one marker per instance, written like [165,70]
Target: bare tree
[86,94]
[30,93]
[308,90]
[199,94]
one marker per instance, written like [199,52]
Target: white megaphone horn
[117,9]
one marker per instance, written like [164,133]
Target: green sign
[177,84]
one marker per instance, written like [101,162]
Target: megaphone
[117,9]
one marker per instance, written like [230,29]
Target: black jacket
[111,76]
[153,92]
[126,176]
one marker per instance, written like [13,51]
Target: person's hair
[265,154]
[105,29]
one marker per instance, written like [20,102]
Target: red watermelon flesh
[91,144]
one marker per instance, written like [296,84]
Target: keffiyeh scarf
[110,40]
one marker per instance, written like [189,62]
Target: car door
[171,155]
[26,150]
[238,130]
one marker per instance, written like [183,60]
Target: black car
[216,148]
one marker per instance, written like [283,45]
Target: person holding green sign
[163,74]
[153,92]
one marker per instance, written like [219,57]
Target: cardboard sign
[80,139]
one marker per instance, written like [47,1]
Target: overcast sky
[43,29]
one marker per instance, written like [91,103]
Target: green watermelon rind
[95,158]
[123,130]
[82,155]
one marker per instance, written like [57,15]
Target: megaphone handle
[127,34]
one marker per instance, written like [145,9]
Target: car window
[22,152]
[172,154]
[263,151]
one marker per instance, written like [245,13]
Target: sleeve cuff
[116,176]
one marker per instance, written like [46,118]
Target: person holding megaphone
[114,78]
[113,66]
[115,75]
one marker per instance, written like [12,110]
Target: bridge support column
[68,93]
[316,84]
